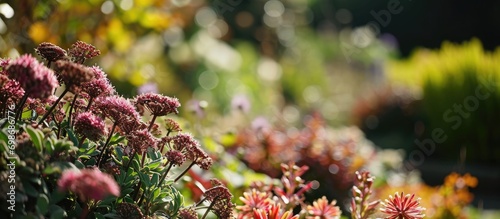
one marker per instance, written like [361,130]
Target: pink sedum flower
[90,125]
[36,79]
[402,207]
[88,184]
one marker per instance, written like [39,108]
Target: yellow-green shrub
[460,95]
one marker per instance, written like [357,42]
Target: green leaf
[154,179]
[72,136]
[42,204]
[58,167]
[57,196]
[144,179]
[30,190]
[99,216]
[112,216]
[57,212]
[119,153]
[36,137]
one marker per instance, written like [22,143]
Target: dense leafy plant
[87,152]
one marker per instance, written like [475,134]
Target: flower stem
[91,99]
[53,106]
[165,174]
[210,207]
[20,107]
[184,172]
[152,123]
[106,144]
[71,110]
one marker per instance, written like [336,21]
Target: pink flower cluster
[88,184]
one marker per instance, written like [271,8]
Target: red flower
[321,209]
[88,184]
[402,207]
[253,200]
[273,213]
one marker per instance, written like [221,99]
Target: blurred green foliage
[460,95]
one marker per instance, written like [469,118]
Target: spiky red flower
[253,200]
[321,209]
[88,184]
[275,212]
[36,79]
[403,207]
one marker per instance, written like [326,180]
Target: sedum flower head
[10,91]
[188,213]
[99,86]
[129,210]
[116,108]
[220,197]
[192,150]
[321,209]
[73,74]
[80,51]
[402,207]
[50,52]
[141,140]
[157,104]
[36,79]
[176,157]
[88,184]
[90,126]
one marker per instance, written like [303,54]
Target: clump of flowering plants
[73,148]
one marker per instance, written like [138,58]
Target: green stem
[53,106]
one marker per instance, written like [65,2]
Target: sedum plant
[75,149]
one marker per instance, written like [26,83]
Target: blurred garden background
[407,89]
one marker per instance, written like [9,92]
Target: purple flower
[116,108]
[37,80]
[220,196]
[241,102]
[176,157]
[191,149]
[157,104]
[50,52]
[73,74]
[90,126]
[10,91]
[99,86]
[80,51]
[141,140]
[148,88]
[260,124]
[88,184]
